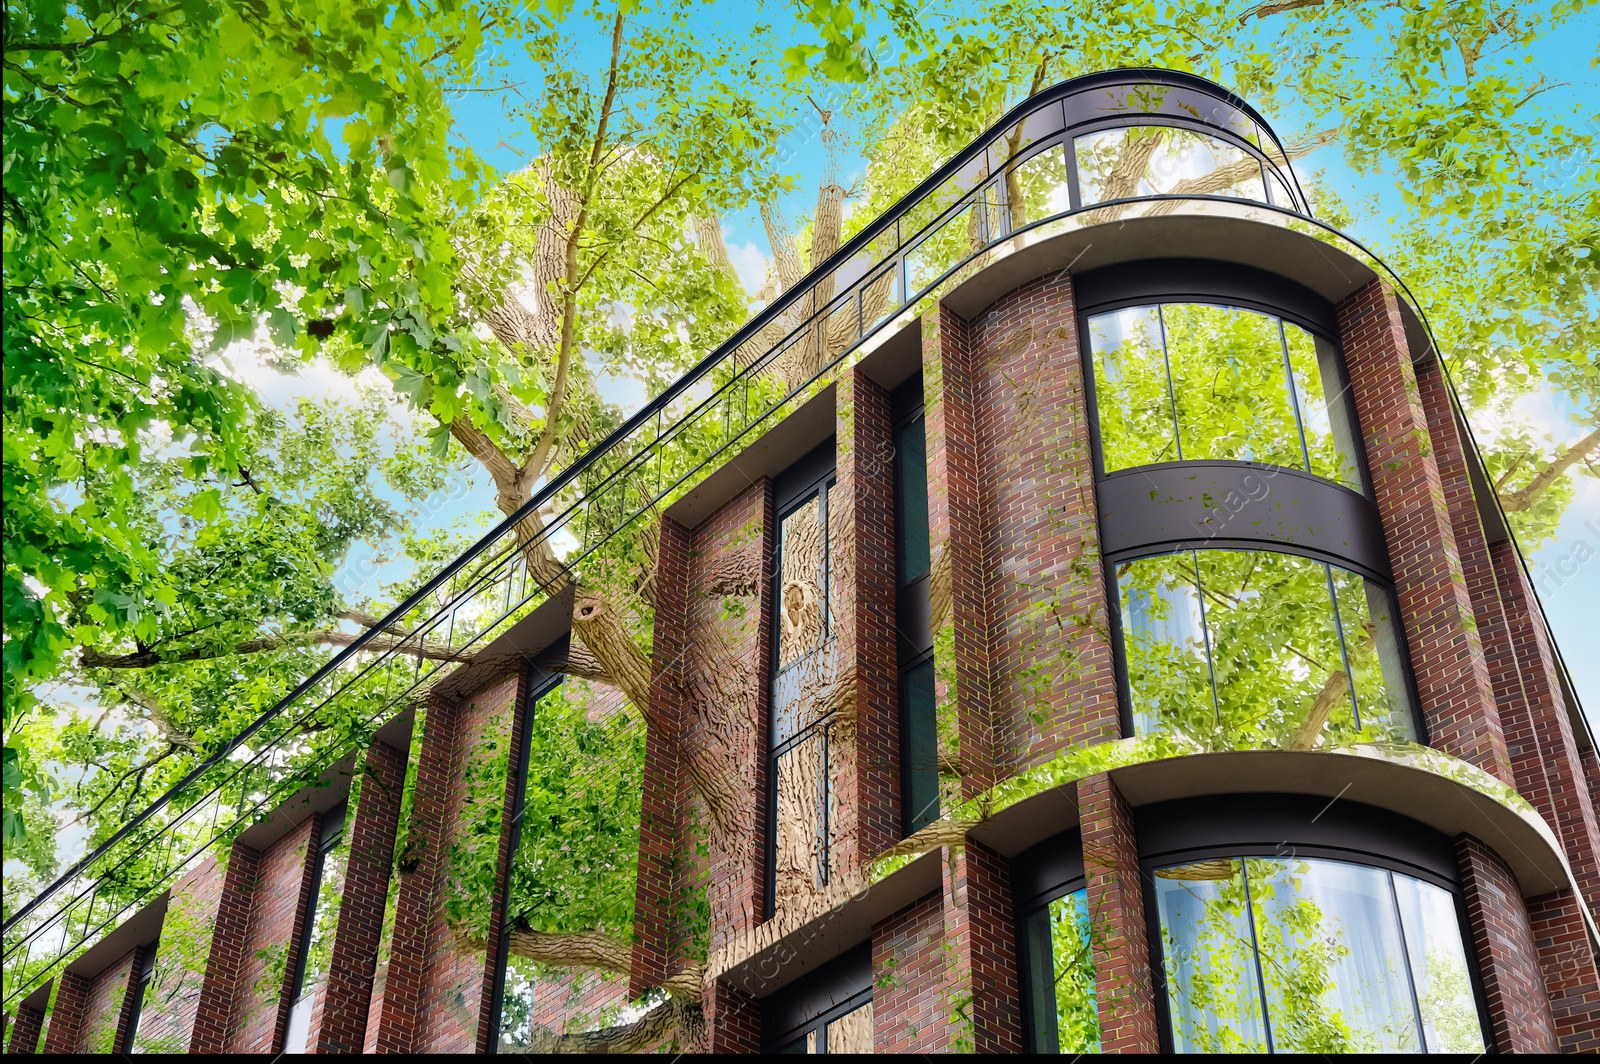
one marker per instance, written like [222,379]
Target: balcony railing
[1052,164]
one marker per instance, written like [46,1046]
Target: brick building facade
[1112,627]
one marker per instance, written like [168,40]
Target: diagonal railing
[957,215]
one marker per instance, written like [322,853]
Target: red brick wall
[1513,987]
[868,782]
[980,936]
[25,1029]
[166,1024]
[1054,679]
[278,907]
[1435,602]
[434,991]
[346,997]
[955,536]
[910,996]
[89,1011]
[214,1011]
[733,1019]
[1124,982]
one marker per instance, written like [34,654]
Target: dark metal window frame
[1047,872]
[147,969]
[809,477]
[331,835]
[849,978]
[908,405]
[1387,848]
[536,684]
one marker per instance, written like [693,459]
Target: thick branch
[90,658]
[1523,498]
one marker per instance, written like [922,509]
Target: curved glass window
[1231,649]
[1306,955]
[1187,382]
[1062,1011]
[1116,164]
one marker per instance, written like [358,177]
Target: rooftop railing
[1077,155]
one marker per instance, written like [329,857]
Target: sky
[1566,571]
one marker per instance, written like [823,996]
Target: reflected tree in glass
[1060,960]
[1130,380]
[1229,386]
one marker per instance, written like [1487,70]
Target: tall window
[1231,649]
[147,968]
[918,724]
[1310,955]
[827,1011]
[800,779]
[1059,1000]
[1184,382]
[315,935]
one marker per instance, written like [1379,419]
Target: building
[1075,618]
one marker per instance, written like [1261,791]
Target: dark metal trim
[816,999]
[1204,505]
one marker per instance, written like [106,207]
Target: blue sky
[1566,571]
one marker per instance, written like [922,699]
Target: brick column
[278,906]
[733,1019]
[1124,979]
[958,587]
[911,1000]
[166,1024]
[347,994]
[1513,986]
[1054,686]
[399,1016]
[230,931]
[130,995]
[1436,605]
[868,784]
[658,821]
[26,1027]
[980,938]
[67,1014]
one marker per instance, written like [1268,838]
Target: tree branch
[145,658]
[1523,498]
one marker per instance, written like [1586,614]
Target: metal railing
[695,425]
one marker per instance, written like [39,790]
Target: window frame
[1046,872]
[1388,842]
[850,973]
[908,405]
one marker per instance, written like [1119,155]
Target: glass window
[1038,188]
[1306,955]
[801,793]
[920,724]
[1188,382]
[1134,161]
[317,934]
[911,500]
[1062,1009]
[1228,649]
[140,989]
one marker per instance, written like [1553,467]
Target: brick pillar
[1513,986]
[733,1019]
[130,994]
[434,994]
[911,1000]
[1567,962]
[399,1017]
[959,592]
[658,821]
[166,1024]
[26,1028]
[230,932]
[868,785]
[66,1016]
[1436,605]
[1124,979]
[347,994]
[1054,678]
[260,1014]
[981,939]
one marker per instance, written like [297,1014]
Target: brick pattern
[1567,961]
[434,989]
[214,1011]
[280,901]
[733,1019]
[980,936]
[868,782]
[910,996]
[166,1024]
[1054,678]
[1124,977]
[658,822]
[955,532]
[1513,987]
[1435,602]
[341,1023]
[91,1012]
[26,1027]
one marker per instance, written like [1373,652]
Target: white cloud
[750,263]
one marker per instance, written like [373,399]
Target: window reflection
[1311,956]
[1131,161]
[1228,649]
[1188,382]
[1060,972]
